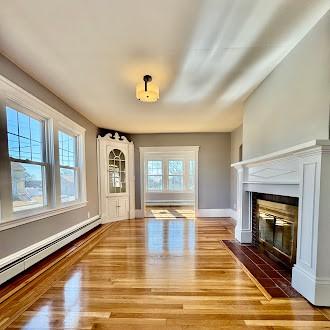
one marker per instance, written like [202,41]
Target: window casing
[30,162]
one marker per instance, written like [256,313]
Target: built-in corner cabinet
[116,178]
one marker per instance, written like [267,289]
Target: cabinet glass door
[117,172]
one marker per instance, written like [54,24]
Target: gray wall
[236,138]
[14,239]
[214,164]
[292,105]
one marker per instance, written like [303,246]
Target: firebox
[277,230]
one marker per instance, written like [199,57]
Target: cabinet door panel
[112,208]
[123,207]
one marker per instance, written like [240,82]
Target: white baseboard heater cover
[22,261]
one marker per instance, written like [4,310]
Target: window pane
[36,148]
[155,183]
[27,186]
[13,145]
[67,149]
[175,167]
[12,121]
[36,130]
[68,185]
[155,167]
[24,125]
[25,136]
[175,182]
[191,183]
[25,148]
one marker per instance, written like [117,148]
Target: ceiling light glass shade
[149,95]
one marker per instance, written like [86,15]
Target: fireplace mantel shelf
[277,182]
[284,152]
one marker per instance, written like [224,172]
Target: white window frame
[14,96]
[190,175]
[183,175]
[162,175]
[45,163]
[76,168]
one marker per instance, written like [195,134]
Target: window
[175,175]
[25,136]
[154,175]
[42,161]
[191,179]
[67,145]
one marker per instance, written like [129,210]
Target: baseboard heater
[22,260]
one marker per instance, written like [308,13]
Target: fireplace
[301,172]
[276,225]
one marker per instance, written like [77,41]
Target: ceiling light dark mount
[147,91]
[147,78]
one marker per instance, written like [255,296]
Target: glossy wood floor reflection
[163,274]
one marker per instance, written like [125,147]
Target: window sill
[23,219]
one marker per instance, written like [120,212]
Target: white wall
[291,106]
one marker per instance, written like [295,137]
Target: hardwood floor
[155,274]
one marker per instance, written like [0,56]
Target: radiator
[22,260]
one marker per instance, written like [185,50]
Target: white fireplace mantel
[302,171]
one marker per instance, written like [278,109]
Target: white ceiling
[206,56]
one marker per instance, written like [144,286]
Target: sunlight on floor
[170,212]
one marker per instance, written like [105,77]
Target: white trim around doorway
[144,151]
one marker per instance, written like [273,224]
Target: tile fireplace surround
[302,171]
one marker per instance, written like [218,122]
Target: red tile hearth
[272,276]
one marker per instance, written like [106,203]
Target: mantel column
[311,273]
[243,229]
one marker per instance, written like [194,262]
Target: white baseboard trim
[315,290]
[233,214]
[23,259]
[213,213]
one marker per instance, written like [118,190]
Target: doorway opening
[169,182]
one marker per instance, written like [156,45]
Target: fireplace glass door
[284,236]
[277,224]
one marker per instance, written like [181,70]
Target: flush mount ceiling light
[147,91]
